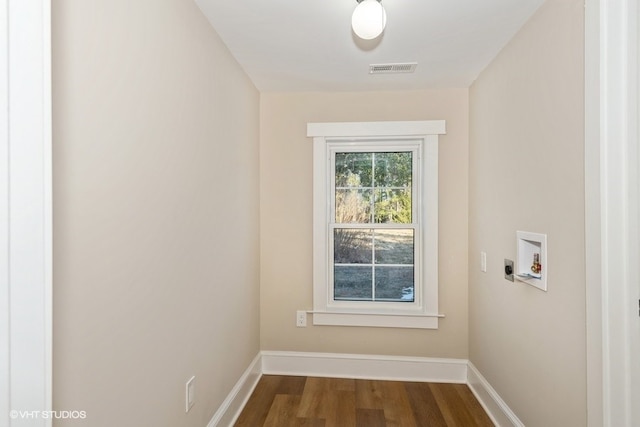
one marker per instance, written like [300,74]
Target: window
[375,223]
[372,226]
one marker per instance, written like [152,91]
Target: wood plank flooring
[285,401]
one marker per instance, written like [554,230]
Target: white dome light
[368,19]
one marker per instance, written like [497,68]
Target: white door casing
[25,213]
[612,195]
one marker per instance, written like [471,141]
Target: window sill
[376,320]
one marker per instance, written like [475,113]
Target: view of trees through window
[373,251]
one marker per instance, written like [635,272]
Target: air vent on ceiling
[401,67]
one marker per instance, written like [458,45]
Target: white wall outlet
[483,262]
[301,319]
[190,393]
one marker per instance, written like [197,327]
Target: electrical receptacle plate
[301,319]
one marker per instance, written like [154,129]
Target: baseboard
[360,366]
[364,366]
[230,409]
[496,408]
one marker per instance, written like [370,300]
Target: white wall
[156,257]
[156,215]
[527,173]
[286,220]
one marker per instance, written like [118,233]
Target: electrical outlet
[301,319]
[190,393]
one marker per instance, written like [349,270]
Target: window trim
[425,313]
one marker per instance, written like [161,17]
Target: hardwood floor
[283,401]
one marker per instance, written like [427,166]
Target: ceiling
[308,45]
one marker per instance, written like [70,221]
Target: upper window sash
[366,146]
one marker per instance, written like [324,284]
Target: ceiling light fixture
[368,19]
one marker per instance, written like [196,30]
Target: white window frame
[423,312]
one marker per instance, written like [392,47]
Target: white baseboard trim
[364,366]
[374,367]
[230,409]
[496,408]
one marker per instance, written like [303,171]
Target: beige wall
[527,173]
[156,256]
[286,220]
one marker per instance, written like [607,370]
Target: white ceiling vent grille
[400,67]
